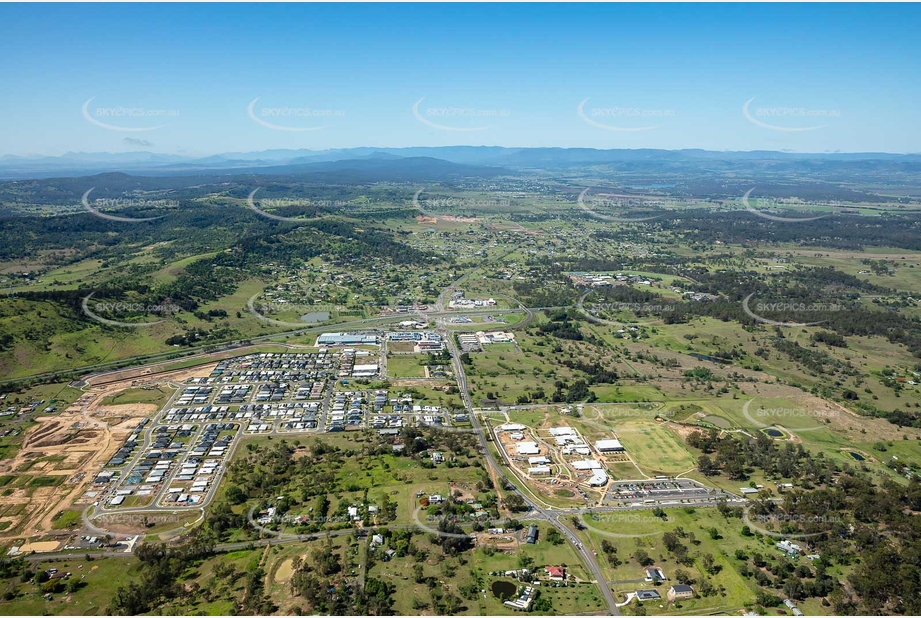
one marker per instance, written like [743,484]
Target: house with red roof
[556,573]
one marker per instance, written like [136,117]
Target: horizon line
[344,148]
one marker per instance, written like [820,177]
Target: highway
[436,314]
[587,556]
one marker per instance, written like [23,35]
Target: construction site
[49,482]
[557,461]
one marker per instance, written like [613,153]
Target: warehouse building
[608,446]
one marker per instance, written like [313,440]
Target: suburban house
[647,595]
[556,573]
[654,574]
[680,591]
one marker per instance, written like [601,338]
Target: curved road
[554,518]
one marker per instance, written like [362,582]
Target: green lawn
[475,567]
[157,396]
[102,578]
[406,365]
[634,530]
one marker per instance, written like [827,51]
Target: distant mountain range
[366,163]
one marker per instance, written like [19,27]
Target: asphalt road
[554,518]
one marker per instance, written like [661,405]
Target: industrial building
[527,448]
[609,446]
[346,339]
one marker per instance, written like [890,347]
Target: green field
[157,396]
[656,449]
[475,569]
[94,596]
[634,530]
[406,365]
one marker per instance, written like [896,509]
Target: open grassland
[473,570]
[705,532]
[358,474]
[655,449]
[98,580]
[406,365]
[157,396]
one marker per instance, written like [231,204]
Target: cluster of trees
[831,339]
[852,232]
[841,511]
[735,456]
[563,329]
[311,472]
[159,578]
[597,373]
[813,360]
[803,295]
[322,583]
[548,287]
[577,391]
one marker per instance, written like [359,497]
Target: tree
[515,503]
[670,539]
[235,495]
[794,589]
[766,599]
[642,557]
[706,466]
[709,564]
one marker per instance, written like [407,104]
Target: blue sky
[824,77]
